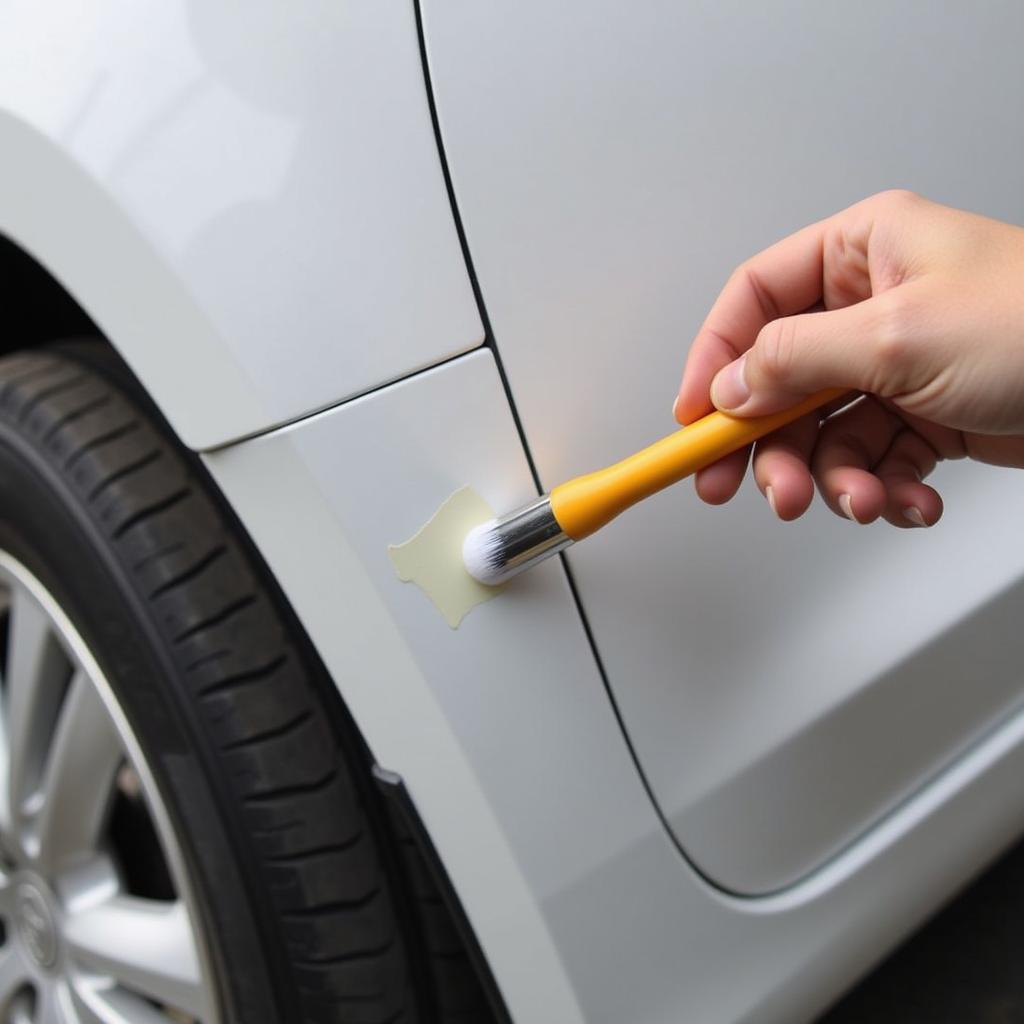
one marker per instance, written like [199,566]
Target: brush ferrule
[524,538]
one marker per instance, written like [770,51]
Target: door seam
[490,344]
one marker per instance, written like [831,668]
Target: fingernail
[729,388]
[914,515]
[847,506]
[770,495]
[675,409]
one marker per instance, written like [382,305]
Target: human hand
[917,306]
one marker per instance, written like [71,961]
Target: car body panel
[193,174]
[513,755]
[248,199]
[784,687]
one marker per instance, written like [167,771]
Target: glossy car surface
[362,254]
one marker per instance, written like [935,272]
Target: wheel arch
[53,220]
[37,308]
[249,204]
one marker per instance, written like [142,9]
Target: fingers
[783,279]
[781,468]
[782,460]
[996,451]
[865,459]
[708,354]
[867,464]
[798,355]
[720,481]
[849,446]
[909,502]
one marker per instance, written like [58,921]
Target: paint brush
[504,547]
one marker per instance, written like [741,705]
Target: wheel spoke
[37,673]
[78,779]
[13,973]
[144,945]
[48,1007]
[126,960]
[93,1002]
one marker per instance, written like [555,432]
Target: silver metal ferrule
[526,537]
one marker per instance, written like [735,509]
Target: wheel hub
[36,921]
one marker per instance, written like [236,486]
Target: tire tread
[245,678]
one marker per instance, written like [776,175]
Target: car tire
[267,797]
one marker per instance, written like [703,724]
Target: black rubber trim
[392,787]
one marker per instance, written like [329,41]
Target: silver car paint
[785,686]
[126,131]
[512,753]
[246,197]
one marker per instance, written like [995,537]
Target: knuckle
[737,277]
[762,296]
[897,198]
[894,342]
[776,350]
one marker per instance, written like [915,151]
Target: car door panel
[784,686]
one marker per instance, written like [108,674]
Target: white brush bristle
[479,551]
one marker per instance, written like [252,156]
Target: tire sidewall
[47,527]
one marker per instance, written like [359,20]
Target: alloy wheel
[97,923]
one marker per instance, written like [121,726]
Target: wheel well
[37,310]
[36,307]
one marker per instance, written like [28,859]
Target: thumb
[794,356]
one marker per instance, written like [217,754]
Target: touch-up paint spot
[432,557]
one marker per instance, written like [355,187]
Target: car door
[783,686]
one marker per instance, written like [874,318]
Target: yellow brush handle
[587,503]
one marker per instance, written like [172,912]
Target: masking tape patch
[432,557]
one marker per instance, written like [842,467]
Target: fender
[248,202]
